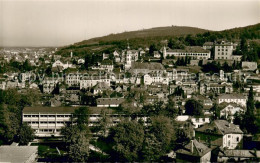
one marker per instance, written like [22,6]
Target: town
[176,102]
[129,81]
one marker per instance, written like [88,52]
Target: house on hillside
[195,151]
[232,98]
[220,133]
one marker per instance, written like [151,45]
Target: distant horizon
[117,33]
[44,23]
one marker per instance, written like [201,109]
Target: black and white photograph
[130,81]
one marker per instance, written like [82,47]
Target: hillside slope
[145,38]
[152,32]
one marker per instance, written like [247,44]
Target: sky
[60,22]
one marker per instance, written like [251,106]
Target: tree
[193,107]
[104,123]
[77,136]
[216,111]
[159,139]
[26,134]
[77,142]
[81,116]
[150,148]
[127,137]
[249,118]
[152,49]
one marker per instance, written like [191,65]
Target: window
[237,139]
[229,136]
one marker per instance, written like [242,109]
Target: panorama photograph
[130,81]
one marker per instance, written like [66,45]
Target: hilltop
[146,33]
[144,38]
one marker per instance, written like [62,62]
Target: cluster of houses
[107,84]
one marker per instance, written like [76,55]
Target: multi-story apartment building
[224,50]
[48,121]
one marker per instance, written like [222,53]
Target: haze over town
[59,23]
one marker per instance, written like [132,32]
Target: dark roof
[42,109]
[199,149]
[110,101]
[239,153]
[150,66]
[62,110]
[220,127]
[231,96]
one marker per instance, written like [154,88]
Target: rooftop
[220,127]
[150,66]
[17,153]
[199,149]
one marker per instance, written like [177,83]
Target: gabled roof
[199,149]
[150,66]
[101,86]
[220,127]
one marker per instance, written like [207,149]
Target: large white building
[232,98]
[48,121]
[194,52]
[224,51]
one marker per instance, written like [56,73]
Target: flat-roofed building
[48,121]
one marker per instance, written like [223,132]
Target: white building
[232,98]
[73,79]
[48,121]
[221,133]
[130,57]
[91,81]
[194,52]
[153,78]
[224,51]
[229,110]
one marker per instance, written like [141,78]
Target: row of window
[47,116]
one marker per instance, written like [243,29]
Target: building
[145,68]
[73,79]
[100,88]
[220,133]
[228,110]
[237,155]
[195,151]
[130,56]
[194,52]
[48,121]
[249,66]
[91,81]
[208,45]
[109,102]
[232,98]
[26,154]
[224,51]
[154,78]
[199,121]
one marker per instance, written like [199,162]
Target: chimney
[191,146]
